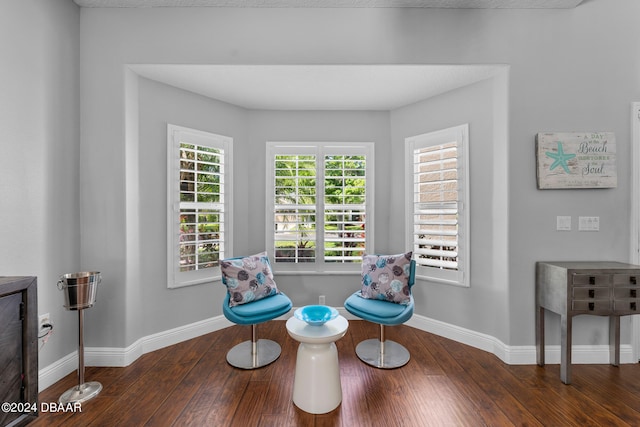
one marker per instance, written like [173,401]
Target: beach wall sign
[576,160]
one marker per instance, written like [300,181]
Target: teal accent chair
[380,352]
[255,353]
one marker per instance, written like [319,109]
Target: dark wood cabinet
[18,350]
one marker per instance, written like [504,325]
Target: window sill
[210,279]
[442,281]
[315,273]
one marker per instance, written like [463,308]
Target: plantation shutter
[344,208]
[319,202]
[202,208]
[295,208]
[199,192]
[436,206]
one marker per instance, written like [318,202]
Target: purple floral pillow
[386,277]
[248,279]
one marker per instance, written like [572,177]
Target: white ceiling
[317,87]
[463,4]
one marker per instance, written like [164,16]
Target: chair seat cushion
[259,311]
[379,311]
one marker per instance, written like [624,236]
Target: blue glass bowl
[316,315]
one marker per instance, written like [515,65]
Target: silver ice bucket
[80,289]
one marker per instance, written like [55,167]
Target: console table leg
[565,349]
[614,340]
[540,335]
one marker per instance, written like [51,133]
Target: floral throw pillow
[386,277]
[248,279]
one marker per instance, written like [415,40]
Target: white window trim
[176,134]
[319,149]
[461,135]
[635,212]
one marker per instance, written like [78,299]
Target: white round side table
[316,385]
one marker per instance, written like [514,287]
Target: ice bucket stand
[80,294]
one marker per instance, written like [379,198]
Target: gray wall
[568,70]
[480,105]
[80,202]
[39,154]
[162,308]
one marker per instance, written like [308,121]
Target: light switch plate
[563,223]
[589,223]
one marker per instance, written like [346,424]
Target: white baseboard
[511,355]
[120,357]
[518,355]
[104,356]
[59,369]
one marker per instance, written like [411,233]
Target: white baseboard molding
[511,355]
[104,356]
[518,355]
[120,357]
[59,369]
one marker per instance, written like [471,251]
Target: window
[438,204]
[319,199]
[198,218]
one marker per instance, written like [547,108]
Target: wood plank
[200,377]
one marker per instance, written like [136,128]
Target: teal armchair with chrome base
[385,299]
[252,298]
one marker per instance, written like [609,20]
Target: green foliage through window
[304,184]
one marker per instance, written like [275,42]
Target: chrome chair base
[382,354]
[253,354]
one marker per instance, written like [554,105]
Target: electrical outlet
[43,319]
[321,300]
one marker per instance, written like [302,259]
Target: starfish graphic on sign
[560,158]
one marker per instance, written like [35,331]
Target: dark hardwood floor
[444,384]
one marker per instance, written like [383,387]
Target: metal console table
[570,289]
